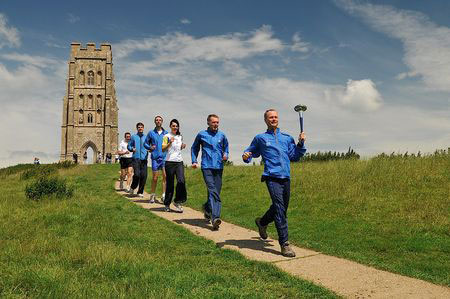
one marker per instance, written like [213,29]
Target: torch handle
[300,114]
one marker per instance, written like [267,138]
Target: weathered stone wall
[90,112]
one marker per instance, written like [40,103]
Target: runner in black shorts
[126,167]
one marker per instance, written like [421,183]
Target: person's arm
[122,152]
[252,151]
[296,151]
[148,142]
[195,148]
[131,145]
[225,148]
[166,143]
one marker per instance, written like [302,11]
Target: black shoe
[206,214]
[216,223]
[262,229]
[287,251]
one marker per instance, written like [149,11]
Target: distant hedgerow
[45,169]
[46,186]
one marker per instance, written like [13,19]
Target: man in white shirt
[126,167]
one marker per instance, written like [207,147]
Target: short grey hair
[267,111]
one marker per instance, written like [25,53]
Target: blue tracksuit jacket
[153,138]
[277,150]
[214,145]
[137,141]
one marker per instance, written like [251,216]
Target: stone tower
[90,112]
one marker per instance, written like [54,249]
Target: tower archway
[89,153]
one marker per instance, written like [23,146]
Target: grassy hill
[390,213]
[98,244]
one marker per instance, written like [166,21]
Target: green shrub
[47,186]
[38,170]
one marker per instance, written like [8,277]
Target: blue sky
[374,74]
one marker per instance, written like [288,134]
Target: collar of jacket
[163,130]
[212,131]
[269,131]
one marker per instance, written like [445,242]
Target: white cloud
[8,35]
[179,47]
[185,21]
[38,61]
[72,19]
[360,95]
[427,45]
[298,45]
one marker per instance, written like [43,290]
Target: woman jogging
[173,144]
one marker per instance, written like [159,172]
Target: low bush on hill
[45,186]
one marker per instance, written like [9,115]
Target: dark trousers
[140,174]
[175,169]
[280,191]
[213,181]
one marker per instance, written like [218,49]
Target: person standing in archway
[214,146]
[153,143]
[140,155]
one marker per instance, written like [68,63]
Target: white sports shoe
[163,196]
[131,191]
[140,195]
[178,207]
[152,198]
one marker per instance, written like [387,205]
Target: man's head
[213,122]
[140,127]
[127,136]
[271,118]
[158,121]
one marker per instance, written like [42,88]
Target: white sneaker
[163,196]
[167,208]
[140,195]
[131,191]
[152,198]
[178,207]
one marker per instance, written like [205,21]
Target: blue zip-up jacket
[153,138]
[277,150]
[137,141]
[214,145]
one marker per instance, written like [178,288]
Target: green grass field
[100,245]
[392,213]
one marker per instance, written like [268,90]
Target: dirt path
[346,278]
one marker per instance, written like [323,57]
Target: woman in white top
[126,167]
[173,144]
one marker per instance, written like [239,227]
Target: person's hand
[224,157]
[172,139]
[183,145]
[152,148]
[127,152]
[246,156]
[194,165]
[134,149]
[302,137]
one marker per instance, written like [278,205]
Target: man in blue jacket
[153,143]
[214,146]
[140,154]
[277,150]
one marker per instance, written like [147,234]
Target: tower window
[82,78]
[99,78]
[90,78]
[90,118]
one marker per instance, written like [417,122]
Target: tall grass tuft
[46,186]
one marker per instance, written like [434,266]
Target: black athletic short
[125,162]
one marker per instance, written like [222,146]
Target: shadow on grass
[253,243]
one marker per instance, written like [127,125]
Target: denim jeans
[140,174]
[213,181]
[280,191]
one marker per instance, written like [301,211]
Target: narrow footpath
[346,278]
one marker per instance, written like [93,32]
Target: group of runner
[277,150]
